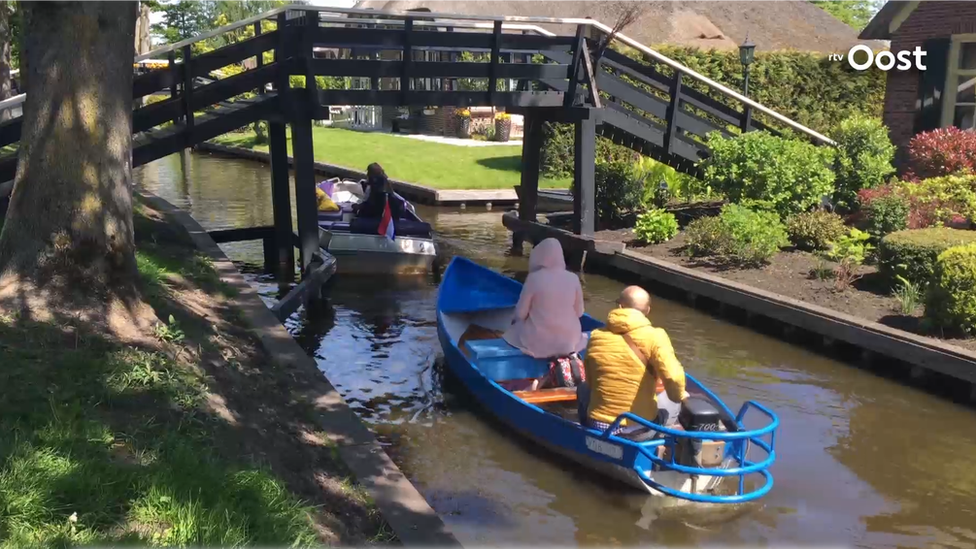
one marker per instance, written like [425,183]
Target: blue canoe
[708,465]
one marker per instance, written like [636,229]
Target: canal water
[862,461]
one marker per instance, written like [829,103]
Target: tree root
[130,322]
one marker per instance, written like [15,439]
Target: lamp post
[746,51]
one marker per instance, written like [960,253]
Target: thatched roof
[782,25]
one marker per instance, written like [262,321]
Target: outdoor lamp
[746,51]
[662,193]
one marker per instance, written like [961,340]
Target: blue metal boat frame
[469,290]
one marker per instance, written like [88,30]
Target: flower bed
[902,254]
[792,273]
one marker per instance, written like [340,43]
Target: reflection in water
[860,460]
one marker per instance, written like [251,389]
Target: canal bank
[413,192]
[879,346]
[401,505]
[861,460]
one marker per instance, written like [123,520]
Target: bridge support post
[281,203]
[584,175]
[531,150]
[306,204]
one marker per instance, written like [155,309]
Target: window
[960,105]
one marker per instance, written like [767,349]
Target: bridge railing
[652,91]
[742,104]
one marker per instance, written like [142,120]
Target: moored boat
[358,246]
[704,458]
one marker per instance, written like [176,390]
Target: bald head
[635,297]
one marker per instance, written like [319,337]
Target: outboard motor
[697,415]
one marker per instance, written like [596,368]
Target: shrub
[790,175]
[849,252]
[886,214]
[830,92]
[681,187]
[656,226]
[814,230]
[754,237]
[951,300]
[739,235]
[619,191]
[706,236]
[912,254]
[557,150]
[863,158]
[940,200]
[930,202]
[941,152]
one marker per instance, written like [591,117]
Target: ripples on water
[861,460]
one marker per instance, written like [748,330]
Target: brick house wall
[928,20]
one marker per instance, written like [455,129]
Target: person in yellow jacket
[325,204]
[625,363]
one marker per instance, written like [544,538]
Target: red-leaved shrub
[921,213]
[941,152]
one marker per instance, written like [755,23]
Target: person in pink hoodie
[547,316]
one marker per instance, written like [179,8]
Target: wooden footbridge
[654,106]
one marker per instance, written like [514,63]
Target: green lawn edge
[435,165]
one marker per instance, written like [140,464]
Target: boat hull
[375,254]
[511,411]
[472,296]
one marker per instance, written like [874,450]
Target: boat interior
[347,193]
[479,337]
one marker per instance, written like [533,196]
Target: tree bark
[6,86]
[68,233]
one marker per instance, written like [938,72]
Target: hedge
[913,253]
[951,300]
[806,87]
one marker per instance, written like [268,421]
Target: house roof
[880,26]
[722,25]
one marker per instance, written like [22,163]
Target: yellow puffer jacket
[618,381]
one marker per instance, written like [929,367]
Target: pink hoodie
[547,315]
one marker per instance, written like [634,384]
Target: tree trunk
[6,86]
[68,237]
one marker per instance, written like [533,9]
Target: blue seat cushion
[499,361]
[482,349]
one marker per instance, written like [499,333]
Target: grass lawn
[432,164]
[193,440]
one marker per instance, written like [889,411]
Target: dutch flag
[386,222]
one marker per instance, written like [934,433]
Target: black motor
[696,415]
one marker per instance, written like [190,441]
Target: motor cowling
[700,415]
